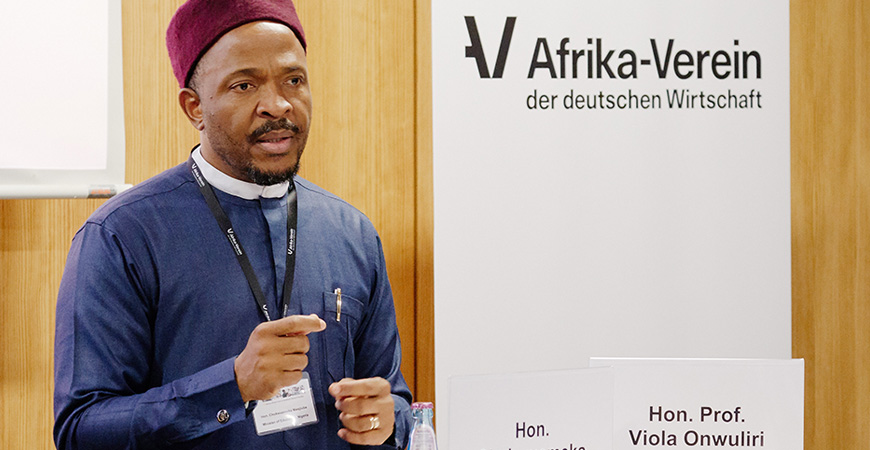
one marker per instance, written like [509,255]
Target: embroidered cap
[198,24]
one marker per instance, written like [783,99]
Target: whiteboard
[62,113]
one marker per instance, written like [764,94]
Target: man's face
[254,103]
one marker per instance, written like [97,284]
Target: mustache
[272,125]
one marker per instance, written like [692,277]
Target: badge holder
[293,407]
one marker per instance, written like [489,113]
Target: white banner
[610,178]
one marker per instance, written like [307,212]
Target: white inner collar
[236,187]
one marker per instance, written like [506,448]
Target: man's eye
[242,86]
[295,81]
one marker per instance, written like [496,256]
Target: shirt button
[223,416]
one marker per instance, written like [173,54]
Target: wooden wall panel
[425,263]
[35,239]
[158,134]
[830,98]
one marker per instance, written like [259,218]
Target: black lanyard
[227,227]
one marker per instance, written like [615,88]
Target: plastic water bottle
[422,435]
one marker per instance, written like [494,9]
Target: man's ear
[192,107]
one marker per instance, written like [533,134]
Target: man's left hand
[366,410]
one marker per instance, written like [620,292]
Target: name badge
[293,407]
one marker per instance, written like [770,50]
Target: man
[191,300]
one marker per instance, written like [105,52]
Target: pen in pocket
[337,304]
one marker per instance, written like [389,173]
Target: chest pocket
[340,333]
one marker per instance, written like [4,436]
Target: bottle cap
[421,405]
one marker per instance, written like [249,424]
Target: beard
[222,144]
[266,178]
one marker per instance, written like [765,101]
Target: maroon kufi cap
[198,24]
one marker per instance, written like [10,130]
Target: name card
[704,403]
[557,410]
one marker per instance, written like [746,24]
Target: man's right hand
[275,356]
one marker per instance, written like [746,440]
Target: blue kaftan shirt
[154,307]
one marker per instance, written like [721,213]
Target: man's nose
[274,103]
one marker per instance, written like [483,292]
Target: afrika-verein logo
[665,58]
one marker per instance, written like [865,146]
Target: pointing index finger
[296,325]
[368,387]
